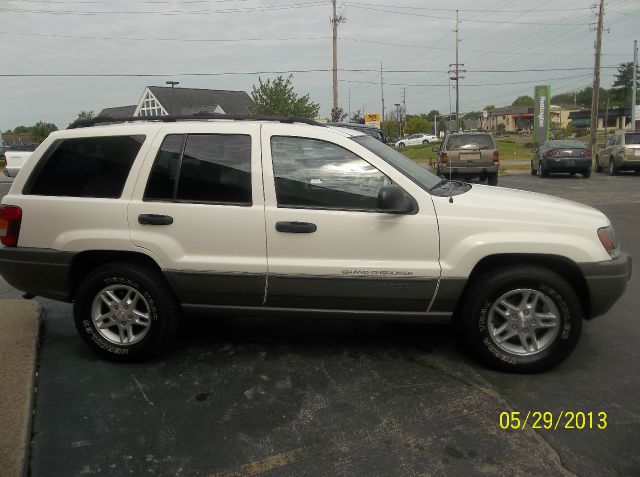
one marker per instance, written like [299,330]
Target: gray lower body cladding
[41,272]
[607,282]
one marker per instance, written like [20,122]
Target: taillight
[553,152]
[585,153]
[444,158]
[10,219]
[496,157]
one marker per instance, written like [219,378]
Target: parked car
[415,139]
[562,155]
[469,155]
[371,131]
[140,222]
[15,157]
[621,152]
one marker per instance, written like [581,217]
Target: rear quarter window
[85,167]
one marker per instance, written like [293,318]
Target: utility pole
[455,70]
[634,87]
[173,94]
[404,110]
[334,23]
[606,120]
[595,97]
[397,105]
[435,125]
[382,90]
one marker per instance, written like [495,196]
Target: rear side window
[204,168]
[85,167]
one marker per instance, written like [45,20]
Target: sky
[199,42]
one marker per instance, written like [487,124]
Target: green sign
[541,114]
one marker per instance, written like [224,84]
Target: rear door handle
[296,227]
[155,219]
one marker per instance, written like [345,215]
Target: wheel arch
[85,262]
[563,266]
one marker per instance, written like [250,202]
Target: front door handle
[296,227]
[155,219]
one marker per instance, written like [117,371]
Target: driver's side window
[310,173]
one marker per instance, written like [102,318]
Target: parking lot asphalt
[296,396]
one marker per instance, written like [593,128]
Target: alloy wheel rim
[523,322]
[121,315]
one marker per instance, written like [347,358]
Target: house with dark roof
[163,101]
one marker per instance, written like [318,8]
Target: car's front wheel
[125,312]
[612,168]
[401,145]
[521,319]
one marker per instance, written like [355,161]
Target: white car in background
[416,139]
[16,156]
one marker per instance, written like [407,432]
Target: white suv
[138,223]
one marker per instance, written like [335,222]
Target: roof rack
[85,123]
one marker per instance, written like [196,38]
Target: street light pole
[173,94]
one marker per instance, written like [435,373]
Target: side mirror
[393,200]
[435,148]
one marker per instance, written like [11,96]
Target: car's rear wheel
[401,145]
[521,319]
[542,171]
[426,141]
[125,312]
[492,180]
[586,173]
[533,171]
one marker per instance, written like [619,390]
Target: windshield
[413,171]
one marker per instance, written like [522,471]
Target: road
[247,396]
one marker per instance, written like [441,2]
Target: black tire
[612,168]
[533,171]
[401,146]
[478,316]
[492,180]
[598,166]
[425,142]
[586,174]
[543,170]
[155,300]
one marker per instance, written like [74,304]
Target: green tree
[357,117]
[489,107]
[417,124]
[621,91]
[338,115]
[41,130]
[83,116]
[523,101]
[277,98]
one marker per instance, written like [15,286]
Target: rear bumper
[464,171]
[37,271]
[607,282]
[561,165]
[623,164]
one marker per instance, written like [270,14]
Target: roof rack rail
[84,123]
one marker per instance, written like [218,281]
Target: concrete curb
[19,340]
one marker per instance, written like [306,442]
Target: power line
[493,10]
[167,12]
